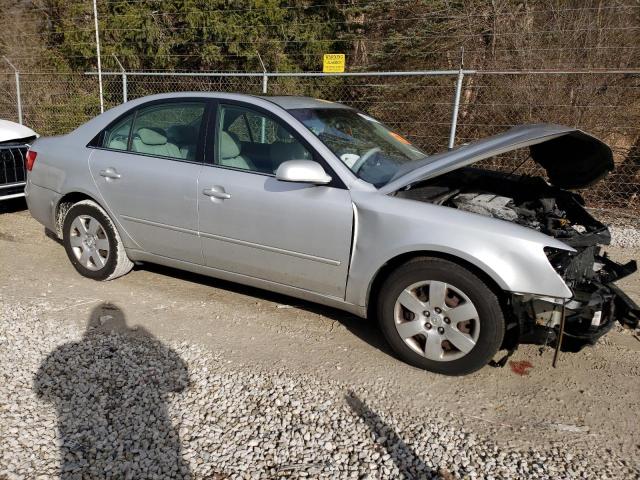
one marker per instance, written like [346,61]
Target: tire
[436,337]
[93,244]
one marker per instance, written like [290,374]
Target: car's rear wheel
[93,244]
[439,316]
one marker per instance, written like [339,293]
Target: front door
[146,170]
[250,223]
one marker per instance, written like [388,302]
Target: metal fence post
[95,20]
[265,78]
[456,107]
[263,124]
[18,99]
[124,79]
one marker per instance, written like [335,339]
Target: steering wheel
[363,159]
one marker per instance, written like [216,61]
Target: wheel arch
[65,203]
[117,262]
[385,270]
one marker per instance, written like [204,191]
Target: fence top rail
[416,73]
[372,74]
[287,74]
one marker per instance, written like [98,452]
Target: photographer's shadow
[110,390]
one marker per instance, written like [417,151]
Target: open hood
[571,157]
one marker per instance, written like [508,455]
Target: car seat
[229,152]
[154,142]
[286,147]
[118,139]
[117,144]
[186,138]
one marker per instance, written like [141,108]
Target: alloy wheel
[89,242]
[437,320]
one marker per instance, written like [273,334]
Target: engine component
[487,204]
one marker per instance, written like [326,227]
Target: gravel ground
[625,236]
[624,227]
[111,400]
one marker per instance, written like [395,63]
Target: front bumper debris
[596,306]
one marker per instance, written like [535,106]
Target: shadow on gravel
[405,458]
[110,391]
[366,330]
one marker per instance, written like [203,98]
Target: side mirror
[302,171]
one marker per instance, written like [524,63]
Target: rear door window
[116,137]
[168,130]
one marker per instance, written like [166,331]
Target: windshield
[372,151]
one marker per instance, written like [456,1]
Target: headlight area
[596,304]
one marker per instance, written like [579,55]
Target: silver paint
[290,237]
[434,321]
[304,171]
[89,242]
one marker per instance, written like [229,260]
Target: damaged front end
[571,159]
[597,303]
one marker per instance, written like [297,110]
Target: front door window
[250,140]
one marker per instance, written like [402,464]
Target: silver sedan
[320,201]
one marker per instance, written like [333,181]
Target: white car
[14,143]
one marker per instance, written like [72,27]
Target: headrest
[151,137]
[229,148]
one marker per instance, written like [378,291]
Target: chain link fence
[419,105]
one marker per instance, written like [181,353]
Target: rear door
[294,234]
[146,168]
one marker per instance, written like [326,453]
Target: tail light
[30,159]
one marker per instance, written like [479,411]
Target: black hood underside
[575,160]
[572,158]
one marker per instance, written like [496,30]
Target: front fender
[388,227]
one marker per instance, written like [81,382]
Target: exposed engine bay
[532,202]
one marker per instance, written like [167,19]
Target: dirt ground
[592,396]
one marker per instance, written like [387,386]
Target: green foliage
[228,35]
[199,35]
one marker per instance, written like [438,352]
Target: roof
[290,102]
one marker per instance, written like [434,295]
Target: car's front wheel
[439,316]
[93,244]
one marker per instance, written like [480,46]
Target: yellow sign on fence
[333,63]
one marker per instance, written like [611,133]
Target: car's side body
[350,234]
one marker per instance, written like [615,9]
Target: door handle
[110,173]
[216,192]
